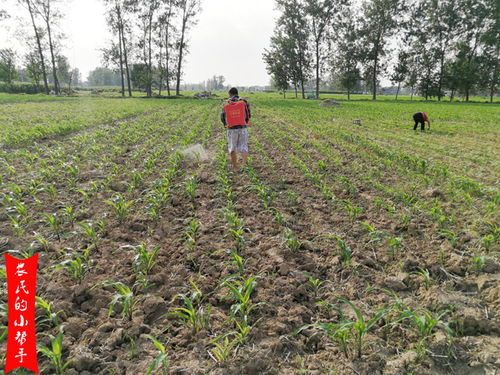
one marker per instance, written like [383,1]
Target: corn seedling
[338,332]
[161,360]
[316,285]
[90,233]
[144,260]
[345,251]
[191,186]
[54,353]
[222,347]
[77,265]
[359,327]
[426,277]
[69,215]
[291,240]
[42,241]
[120,207]
[54,222]
[241,292]
[49,319]
[124,295]
[239,262]
[424,323]
[192,315]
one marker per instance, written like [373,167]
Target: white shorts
[237,140]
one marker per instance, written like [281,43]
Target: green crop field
[342,245]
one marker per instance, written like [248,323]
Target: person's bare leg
[244,157]
[234,161]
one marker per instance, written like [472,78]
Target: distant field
[331,225]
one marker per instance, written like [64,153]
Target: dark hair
[233,91]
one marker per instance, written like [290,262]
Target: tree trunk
[51,46]
[160,68]
[181,50]
[374,78]
[296,92]
[150,68]
[397,92]
[167,57]
[348,94]
[122,78]
[317,68]
[440,85]
[127,70]
[452,95]
[39,45]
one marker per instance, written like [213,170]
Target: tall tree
[50,16]
[114,54]
[8,70]
[146,11]
[474,16]
[33,68]
[292,31]
[166,42]
[321,14]
[277,66]
[38,37]
[489,60]
[188,10]
[400,70]
[345,63]
[379,21]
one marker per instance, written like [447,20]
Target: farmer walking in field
[236,116]
[421,117]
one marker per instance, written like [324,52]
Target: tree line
[149,42]
[429,46]
[148,47]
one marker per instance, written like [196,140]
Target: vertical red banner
[21,288]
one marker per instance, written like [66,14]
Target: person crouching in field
[421,117]
[236,116]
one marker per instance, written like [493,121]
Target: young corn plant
[144,260]
[396,245]
[238,262]
[338,332]
[193,314]
[49,318]
[160,361]
[76,266]
[345,251]
[426,277]
[124,295]
[69,215]
[40,238]
[191,234]
[90,233]
[223,347]
[55,353]
[291,240]
[120,207]
[315,285]
[54,222]
[424,323]
[241,292]
[191,188]
[358,328]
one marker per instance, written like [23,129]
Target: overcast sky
[228,40]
